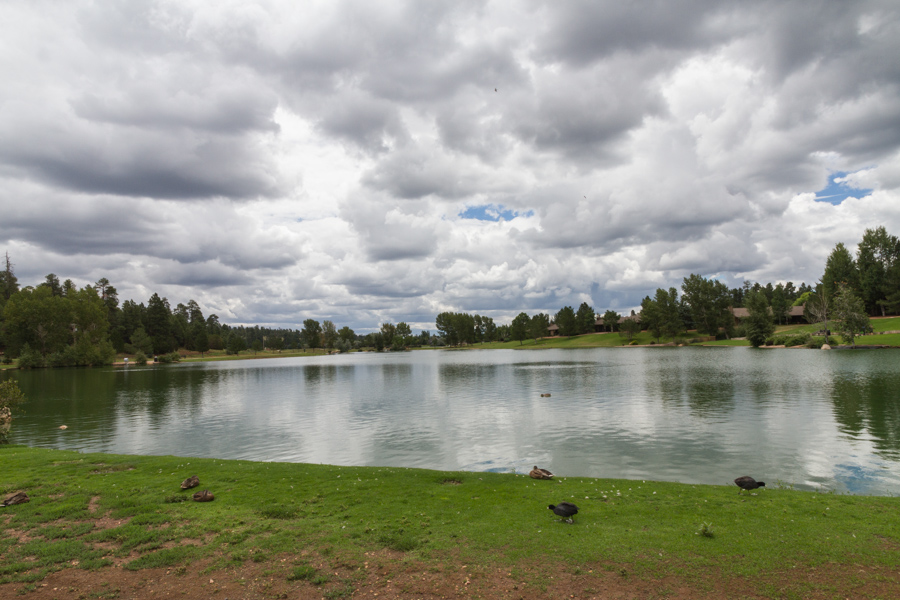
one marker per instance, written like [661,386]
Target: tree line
[849,291]
[57,324]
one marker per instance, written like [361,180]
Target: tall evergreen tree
[159,326]
[585,319]
[9,284]
[877,257]
[565,320]
[518,330]
[840,269]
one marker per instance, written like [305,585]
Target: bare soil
[387,575]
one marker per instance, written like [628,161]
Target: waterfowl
[545,395]
[17,498]
[204,496]
[190,482]
[748,483]
[537,473]
[567,510]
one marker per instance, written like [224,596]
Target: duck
[545,395]
[537,473]
[567,510]
[748,483]
[16,498]
[191,482]
[204,496]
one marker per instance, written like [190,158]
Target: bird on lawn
[748,483]
[190,482]
[538,473]
[567,510]
[16,498]
[204,496]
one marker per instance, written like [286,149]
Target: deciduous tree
[709,301]
[850,314]
[759,324]
[329,334]
[611,320]
[311,333]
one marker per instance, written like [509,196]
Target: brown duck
[204,496]
[190,482]
[537,473]
[17,498]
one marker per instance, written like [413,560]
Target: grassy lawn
[215,355]
[92,511]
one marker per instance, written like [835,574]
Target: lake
[808,418]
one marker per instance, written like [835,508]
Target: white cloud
[277,162]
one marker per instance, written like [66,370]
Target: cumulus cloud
[277,162]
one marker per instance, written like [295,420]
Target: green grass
[590,340]
[266,510]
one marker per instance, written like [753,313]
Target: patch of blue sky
[839,190]
[492,212]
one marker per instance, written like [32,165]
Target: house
[553,329]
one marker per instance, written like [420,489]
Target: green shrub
[815,342]
[30,359]
[140,358]
[797,340]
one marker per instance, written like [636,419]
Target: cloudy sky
[371,161]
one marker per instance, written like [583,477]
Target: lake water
[813,419]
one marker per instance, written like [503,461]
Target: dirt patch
[391,575]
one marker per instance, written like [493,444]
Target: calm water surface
[813,419]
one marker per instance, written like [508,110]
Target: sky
[370,161]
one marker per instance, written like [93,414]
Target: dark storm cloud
[208,231]
[584,114]
[130,108]
[582,32]
[367,122]
[206,275]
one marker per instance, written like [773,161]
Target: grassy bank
[93,511]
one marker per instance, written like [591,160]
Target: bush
[30,359]
[140,358]
[815,342]
[169,358]
[797,340]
